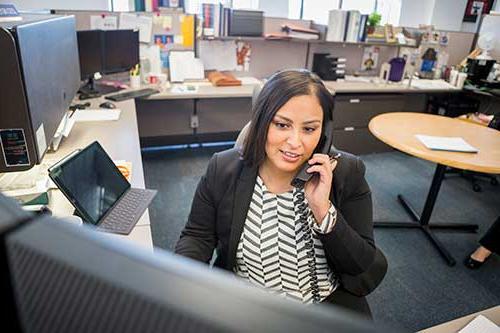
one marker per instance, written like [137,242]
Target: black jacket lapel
[242,197]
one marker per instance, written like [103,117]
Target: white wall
[414,12]
[60,4]
[448,14]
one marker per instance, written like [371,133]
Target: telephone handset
[323,147]
[299,181]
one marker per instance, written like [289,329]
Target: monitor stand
[92,89]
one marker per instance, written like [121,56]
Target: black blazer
[221,202]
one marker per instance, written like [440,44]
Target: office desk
[454,326]
[357,102]
[121,142]
[207,113]
[355,85]
[398,130]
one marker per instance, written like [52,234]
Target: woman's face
[293,134]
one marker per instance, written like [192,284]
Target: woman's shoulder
[349,165]
[226,163]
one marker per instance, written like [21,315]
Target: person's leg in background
[490,243]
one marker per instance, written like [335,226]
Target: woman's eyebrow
[312,121]
[305,122]
[284,118]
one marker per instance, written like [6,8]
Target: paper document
[103,22]
[446,143]
[184,89]
[430,84]
[184,66]
[141,22]
[96,115]
[480,324]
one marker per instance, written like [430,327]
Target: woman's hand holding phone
[317,189]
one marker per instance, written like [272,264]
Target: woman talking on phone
[312,242]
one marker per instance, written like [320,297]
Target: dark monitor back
[39,76]
[90,52]
[121,50]
[67,278]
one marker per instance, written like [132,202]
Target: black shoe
[473,264]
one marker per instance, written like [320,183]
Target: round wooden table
[398,130]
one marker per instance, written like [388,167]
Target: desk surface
[398,130]
[120,139]
[453,326]
[205,89]
[365,85]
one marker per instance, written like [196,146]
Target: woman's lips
[289,156]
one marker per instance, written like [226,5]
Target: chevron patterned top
[272,252]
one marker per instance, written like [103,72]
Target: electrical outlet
[194,121]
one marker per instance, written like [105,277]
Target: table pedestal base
[423,224]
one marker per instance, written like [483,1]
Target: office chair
[473,176]
[244,131]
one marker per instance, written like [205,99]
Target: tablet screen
[91,181]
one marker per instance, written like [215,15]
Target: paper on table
[141,22]
[96,115]
[430,84]
[480,324]
[446,143]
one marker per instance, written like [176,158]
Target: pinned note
[103,22]
[143,23]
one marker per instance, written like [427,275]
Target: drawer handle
[354,100]
[348,128]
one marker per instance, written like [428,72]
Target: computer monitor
[121,50]
[39,77]
[90,52]
[60,277]
[107,52]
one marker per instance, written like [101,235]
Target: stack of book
[154,5]
[378,36]
[346,26]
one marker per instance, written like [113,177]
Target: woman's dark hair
[278,90]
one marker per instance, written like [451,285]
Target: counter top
[374,85]
[120,139]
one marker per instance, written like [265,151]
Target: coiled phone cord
[309,242]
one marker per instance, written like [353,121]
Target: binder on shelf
[246,23]
[336,25]
[352,27]
[362,28]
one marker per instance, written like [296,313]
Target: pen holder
[135,81]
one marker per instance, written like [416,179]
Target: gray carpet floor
[419,290]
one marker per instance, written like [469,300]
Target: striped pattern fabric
[271,252]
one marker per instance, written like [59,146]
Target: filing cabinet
[353,112]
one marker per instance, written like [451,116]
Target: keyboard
[132,94]
[123,217]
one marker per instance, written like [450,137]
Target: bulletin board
[168,30]
[174,30]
